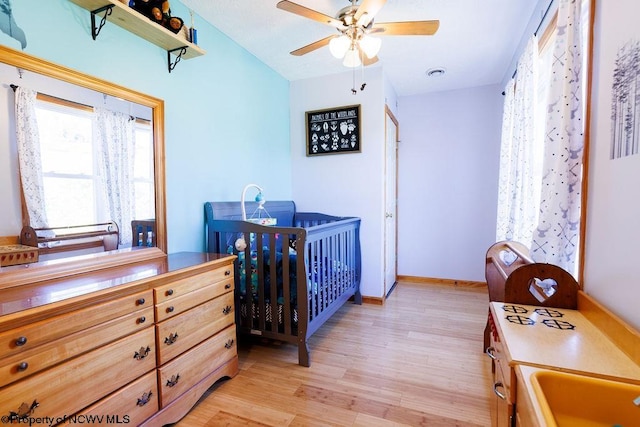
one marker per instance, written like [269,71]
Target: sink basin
[578,400]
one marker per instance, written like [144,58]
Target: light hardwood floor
[415,361]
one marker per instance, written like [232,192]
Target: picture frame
[333,131]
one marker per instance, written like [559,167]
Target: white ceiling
[475,43]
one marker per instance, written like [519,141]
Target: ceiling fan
[355,25]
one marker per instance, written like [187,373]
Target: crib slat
[273,279]
[262,320]
[286,286]
[313,306]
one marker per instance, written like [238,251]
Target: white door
[391,195]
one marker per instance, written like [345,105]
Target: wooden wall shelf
[132,21]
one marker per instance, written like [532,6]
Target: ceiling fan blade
[410,28]
[367,10]
[368,61]
[313,46]
[309,13]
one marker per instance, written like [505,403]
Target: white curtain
[115,133]
[520,153]
[28,141]
[556,238]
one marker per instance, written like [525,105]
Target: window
[68,165]
[71,173]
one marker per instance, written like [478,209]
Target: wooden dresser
[135,344]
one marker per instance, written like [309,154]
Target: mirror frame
[31,63]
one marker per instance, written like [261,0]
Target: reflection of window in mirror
[143,171]
[70,166]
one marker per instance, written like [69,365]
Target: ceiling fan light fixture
[339,46]
[370,45]
[352,58]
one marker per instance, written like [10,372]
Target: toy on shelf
[159,12]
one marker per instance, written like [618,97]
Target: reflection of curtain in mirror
[115,133]
[556,238]
[519,182]
[28,141]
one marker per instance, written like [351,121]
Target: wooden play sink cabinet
[586,341]
[137,342]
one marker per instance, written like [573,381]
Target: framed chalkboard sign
[333,131]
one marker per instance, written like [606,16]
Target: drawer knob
[227,273]
[142,319]
[24,412]
[170,309]
[140,301]
[21,341]
[227,286]
[142,353]
[144,399]
[173,380]
[23,366]
[169,292]
[229,344]
[226,310]
[173,337]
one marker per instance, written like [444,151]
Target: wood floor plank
[414,361]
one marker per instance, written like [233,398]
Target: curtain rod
[546,12]
[535,33]
[79,104]
[66,101]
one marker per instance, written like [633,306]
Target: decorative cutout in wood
[544,289]
[508,257]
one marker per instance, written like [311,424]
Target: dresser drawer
[24,338]
[25,363]
[182,303]
[130,405]
[182,373]
[184,286]
[180,333]
[79,382]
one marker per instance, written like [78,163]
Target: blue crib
[292,276]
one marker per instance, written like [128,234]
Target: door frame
[389,114]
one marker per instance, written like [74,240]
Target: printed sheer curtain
[541,173]
[28,141]
[520,153]
[556,238]
[115,137]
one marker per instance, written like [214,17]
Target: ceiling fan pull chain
[353,84]
[362,75]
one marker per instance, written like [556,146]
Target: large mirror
[23,66]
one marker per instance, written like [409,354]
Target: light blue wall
[226,113]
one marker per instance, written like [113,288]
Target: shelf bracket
[96,30]
[173,64]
